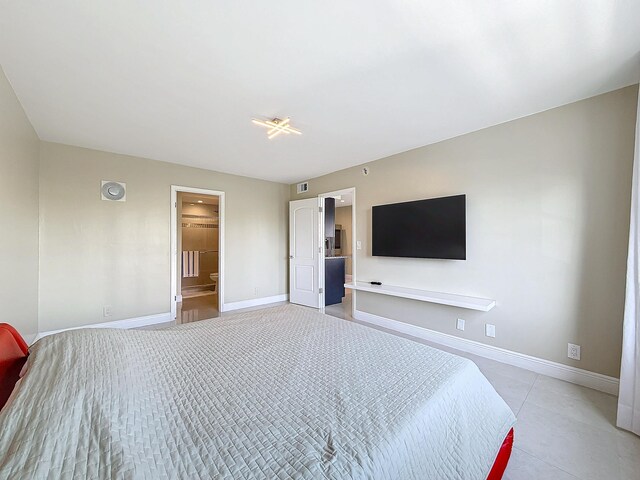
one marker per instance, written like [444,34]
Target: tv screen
[432,228]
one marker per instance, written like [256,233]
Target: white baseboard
[575,375]
[126,323]
[254,302]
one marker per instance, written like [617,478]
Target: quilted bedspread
[279,393]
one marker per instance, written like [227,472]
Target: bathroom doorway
[197,242]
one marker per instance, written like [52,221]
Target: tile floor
[564,431]
[197,308]
[341,310]
[201,308]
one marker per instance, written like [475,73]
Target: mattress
[278,393]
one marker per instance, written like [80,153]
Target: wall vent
[303,187]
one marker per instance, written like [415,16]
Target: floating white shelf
[462,301]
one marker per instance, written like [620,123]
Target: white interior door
[303,252]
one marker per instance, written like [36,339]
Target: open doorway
[319,263]
[197,246]
[338,261]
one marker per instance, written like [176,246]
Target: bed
[284,392]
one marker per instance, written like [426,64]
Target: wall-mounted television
[431,228]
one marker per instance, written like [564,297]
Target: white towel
[190,263]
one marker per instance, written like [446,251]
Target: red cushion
[13,355]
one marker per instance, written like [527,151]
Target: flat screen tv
[431,228]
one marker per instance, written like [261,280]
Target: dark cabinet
[329,217]
[333,280]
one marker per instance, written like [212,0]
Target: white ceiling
[180,80]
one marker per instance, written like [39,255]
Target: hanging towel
[190,263]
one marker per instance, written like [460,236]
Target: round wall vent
[114,191]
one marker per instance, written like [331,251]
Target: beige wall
[343,218]
[96,253]
[547,222]
[18,214]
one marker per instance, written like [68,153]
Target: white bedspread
[278,393]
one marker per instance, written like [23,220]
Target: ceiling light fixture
[200,201]
[276,127]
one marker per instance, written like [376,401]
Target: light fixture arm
[277,126]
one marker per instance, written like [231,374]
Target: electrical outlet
[255,291]
[107,311]
[460,324]
[573,351]
[490,330]
[358,245]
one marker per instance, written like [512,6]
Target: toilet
[214,280]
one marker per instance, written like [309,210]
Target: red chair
[13,355]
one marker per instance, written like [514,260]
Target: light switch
[358,245]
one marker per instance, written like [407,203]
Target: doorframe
[321,197]
[174,243]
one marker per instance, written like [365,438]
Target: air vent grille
[303,187]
